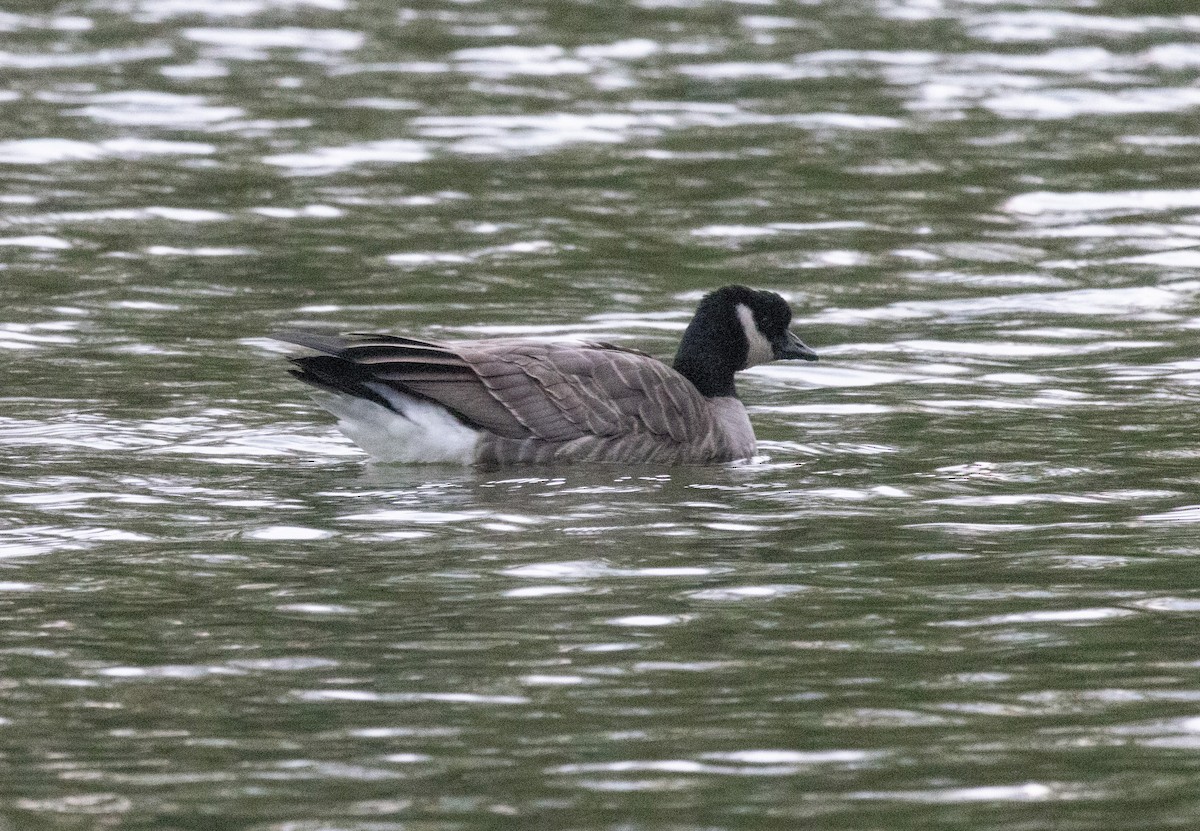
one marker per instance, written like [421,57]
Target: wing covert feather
[531,391]
[594,390]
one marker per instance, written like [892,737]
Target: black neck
[712,350]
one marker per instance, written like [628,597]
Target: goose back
[536,402]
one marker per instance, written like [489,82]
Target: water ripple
[284,37]
[1135,200]
[83,60]
[957,577]
[57,150]
[159,11]
[151,108]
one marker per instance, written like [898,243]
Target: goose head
[735,328]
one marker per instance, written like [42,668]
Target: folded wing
[512,388]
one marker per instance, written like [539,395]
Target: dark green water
[960,590]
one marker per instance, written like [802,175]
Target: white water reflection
[1069,103]
[151,108]
[55,150]
[1135,200]
[1077,302]
[42,242]
[65,60]
[1027,792]
[490,134]
[1047,25]
[332,159]
[509,61]
[284,37]
[159,11]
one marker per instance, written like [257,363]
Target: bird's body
[509,401]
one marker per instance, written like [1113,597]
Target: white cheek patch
[760,351]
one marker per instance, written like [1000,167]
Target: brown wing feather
[591,389]
[426,369]
[523,389]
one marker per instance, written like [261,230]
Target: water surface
[955,591]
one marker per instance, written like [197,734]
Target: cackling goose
[511,401]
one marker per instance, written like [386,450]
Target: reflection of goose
[509,401]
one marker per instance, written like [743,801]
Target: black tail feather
[336,375]
[359,364]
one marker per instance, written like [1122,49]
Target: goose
[507,401]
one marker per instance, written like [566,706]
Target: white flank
[425,433]
[760,351]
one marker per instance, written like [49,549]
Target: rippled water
[957,590]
